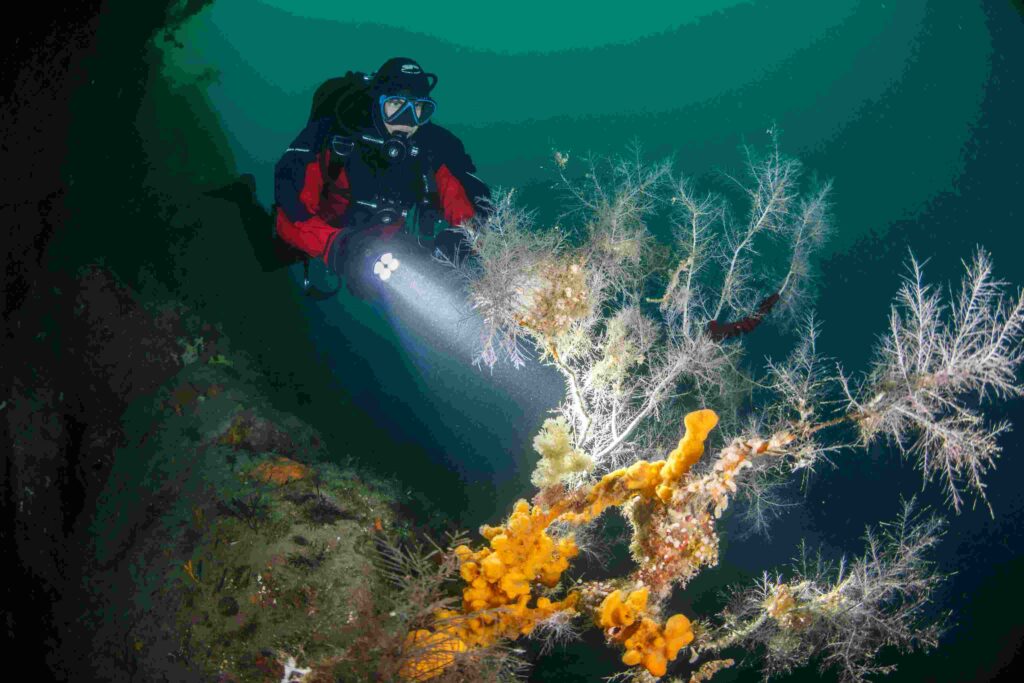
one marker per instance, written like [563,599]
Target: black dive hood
[397,76]
[402,76]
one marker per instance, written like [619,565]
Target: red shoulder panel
[454,201]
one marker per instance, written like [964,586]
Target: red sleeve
[455,202]
[314,234]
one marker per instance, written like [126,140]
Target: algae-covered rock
[270,574]
[227,545]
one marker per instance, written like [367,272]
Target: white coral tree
[935,365]
[843,613]
[643,331]
[625,322]
[933,369]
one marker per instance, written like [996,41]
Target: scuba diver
[370,164]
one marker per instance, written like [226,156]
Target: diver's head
[400,97]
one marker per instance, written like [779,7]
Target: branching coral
[586,301]
[842,613]
[622,361]
[919,393]
[622,350]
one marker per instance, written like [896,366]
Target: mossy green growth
[279,571]
[220,359]
[213,572]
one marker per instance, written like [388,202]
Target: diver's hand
[452,245]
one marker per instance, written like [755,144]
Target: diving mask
[404,110]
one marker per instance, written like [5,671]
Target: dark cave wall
[77,345]
[42,70]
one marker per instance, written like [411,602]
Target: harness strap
[431,197]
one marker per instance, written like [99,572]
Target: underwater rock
[257,435]
[86,346]
[239,553]
[227,606]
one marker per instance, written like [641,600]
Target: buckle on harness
[342,146]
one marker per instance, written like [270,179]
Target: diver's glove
[453,245]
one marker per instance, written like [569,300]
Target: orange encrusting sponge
[698,425]
[647,479]
[496,601]
[434,652]
[646,642]
[280,471]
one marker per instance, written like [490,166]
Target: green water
[889,93]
